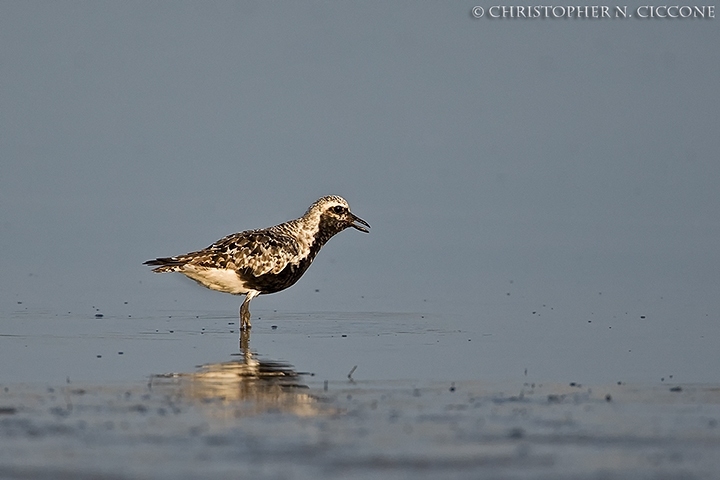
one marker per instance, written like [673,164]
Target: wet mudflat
[165,410]
[227,425]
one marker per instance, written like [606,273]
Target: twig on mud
[351,372]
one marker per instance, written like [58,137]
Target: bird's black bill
[359,227]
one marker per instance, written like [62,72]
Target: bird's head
[334,215]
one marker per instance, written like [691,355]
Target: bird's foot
[245,344]
[245,325]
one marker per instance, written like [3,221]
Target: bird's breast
[275,282]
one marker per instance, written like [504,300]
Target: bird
[266,260]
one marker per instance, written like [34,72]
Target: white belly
[226,281]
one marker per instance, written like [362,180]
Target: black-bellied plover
[268,260]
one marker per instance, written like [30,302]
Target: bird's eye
[338,209]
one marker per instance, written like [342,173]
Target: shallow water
[178,398]
[535,346]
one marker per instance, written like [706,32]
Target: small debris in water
[452,387]
[608,398]
[516,433]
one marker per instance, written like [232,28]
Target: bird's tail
[166,264]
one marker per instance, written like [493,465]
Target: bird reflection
[246,386]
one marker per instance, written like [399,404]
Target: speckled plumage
[268,260]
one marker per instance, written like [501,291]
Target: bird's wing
[260,251]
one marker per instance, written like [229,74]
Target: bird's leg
[244,320]
[245,310]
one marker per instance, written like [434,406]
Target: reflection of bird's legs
[245,310]
[245,345]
